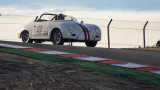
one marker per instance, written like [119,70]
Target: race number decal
[39,28]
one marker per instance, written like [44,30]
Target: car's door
[41,26]
[40,30]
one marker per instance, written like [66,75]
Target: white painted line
[90,58]
[130,65]
[13,46]
[157,72]
[53,52]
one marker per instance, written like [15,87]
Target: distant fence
[126,34]
[115,33]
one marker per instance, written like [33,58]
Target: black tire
[25,37]
[91,43]
[56,37]
[158,44]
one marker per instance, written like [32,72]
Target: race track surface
[137,56]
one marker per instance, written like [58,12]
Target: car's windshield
[74,19]
[49,17]
[70,18]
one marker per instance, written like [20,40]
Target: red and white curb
[125,64]
[12,46]
[90,58]
[130,65]
[53,52]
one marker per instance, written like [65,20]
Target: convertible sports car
[60,28]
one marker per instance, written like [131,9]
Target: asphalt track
[147,57]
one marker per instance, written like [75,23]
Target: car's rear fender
[69,29]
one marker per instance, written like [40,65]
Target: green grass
[125,72]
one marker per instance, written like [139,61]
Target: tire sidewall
[23,36]
[52,38]
[28,40]
[91,43]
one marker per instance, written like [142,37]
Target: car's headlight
[70,29]
[98,31]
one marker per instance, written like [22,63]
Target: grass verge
[125,72]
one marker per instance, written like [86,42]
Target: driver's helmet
[60,17]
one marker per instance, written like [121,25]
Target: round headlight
[98,31]
[70,29]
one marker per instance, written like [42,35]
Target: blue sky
[138,10]
[139,5]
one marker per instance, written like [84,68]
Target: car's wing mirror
[36,19]
[82,22]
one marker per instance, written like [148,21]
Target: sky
[118,9]
[94,4]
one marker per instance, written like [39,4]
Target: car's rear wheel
[91,43]
[56,37]
[25,37]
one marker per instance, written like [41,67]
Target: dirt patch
[17,72]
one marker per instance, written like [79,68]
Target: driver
[60,17]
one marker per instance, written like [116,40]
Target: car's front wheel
[56,37]
[91,43]
[25,37]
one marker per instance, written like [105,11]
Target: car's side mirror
[81,22]
[36,19]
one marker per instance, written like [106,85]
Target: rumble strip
[141,67]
